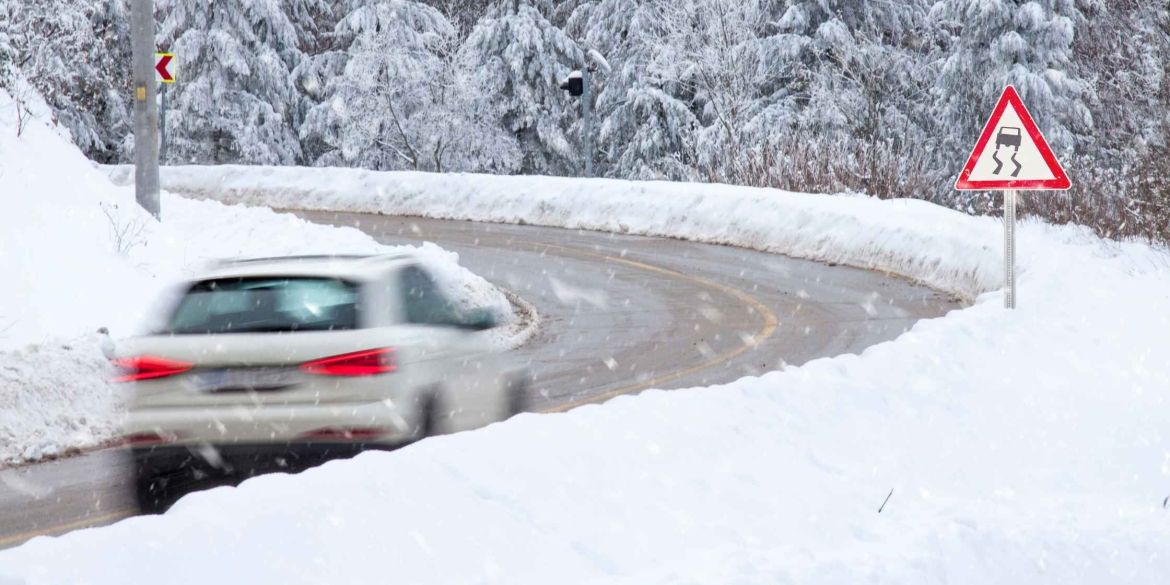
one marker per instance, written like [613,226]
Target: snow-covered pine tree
[524,58]
[76,54]
[711,50]
[405,99]
[233,100]
[462,14]
[645,131]
[1121,168]
[558,12]
[464,125]
[843,106]
[375,83]
[7,50]
[984,46]
[309,61]
[1121,54]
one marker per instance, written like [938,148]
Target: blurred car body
[282,363]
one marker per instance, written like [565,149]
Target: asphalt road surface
[619,314]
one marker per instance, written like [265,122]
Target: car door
[456,361]
[433,324]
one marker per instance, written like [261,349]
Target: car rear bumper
[241,459]
[380,422]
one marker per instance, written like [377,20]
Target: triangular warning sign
[1011,153]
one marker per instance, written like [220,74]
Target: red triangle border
[1060,181]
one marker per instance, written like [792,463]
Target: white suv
[273,364]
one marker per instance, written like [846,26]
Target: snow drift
[933,245]
[78,254]
[1024,446]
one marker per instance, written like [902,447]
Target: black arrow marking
[998,163]
[1017,163]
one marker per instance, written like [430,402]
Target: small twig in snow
[887,500]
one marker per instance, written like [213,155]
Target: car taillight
[145,367]
[148,438]
[358,363]
[339,434]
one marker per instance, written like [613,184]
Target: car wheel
[517,394]
[430,414]
[151,494]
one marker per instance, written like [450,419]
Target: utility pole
[162,126]
[145,106]
[578,85]
[588,122]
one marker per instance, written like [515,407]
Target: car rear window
[270,304]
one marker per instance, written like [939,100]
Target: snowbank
[1021,447]
[78,254]
[933,245]
[1025,446]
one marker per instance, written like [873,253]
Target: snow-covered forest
[882,97]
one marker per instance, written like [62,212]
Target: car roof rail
[306,257]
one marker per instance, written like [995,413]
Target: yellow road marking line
[83,523]
[762,334]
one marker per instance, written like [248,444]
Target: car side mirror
[481,320]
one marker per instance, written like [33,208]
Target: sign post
[145,107]
[1009,249]
[588,123]
[579,85]
[1019,159]
[164,73]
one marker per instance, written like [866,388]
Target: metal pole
[588,123]
[1009,249]
[162,126]
[145,106]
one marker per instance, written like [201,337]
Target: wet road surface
[619,314]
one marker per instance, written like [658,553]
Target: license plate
[245,379]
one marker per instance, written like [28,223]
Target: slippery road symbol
[1008,136]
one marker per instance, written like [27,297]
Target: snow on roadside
[1027,446]
[54,399]
[933,245]
[202,231]
[67,276]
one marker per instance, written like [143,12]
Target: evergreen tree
[7,50]
[646,130]
[845,101]
[1121,54]
[76,54]
[320,57]
[984,46]
[233,102]
[711,51]
[462,14]
[524,58]
[406,100]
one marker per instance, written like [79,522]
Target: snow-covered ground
[1026,446]
[65,276]
[916,239]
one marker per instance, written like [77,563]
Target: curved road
[619,314]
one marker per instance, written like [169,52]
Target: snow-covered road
[619,314]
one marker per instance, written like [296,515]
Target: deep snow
[1025,446]
[65,277]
